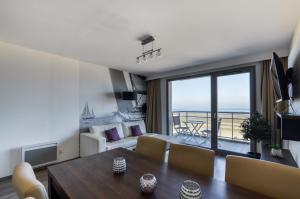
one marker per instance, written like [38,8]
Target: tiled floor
[235,146]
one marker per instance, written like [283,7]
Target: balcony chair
[180,130]
[207,133]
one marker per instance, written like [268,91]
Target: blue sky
[194,94]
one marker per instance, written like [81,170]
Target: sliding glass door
[207,111]
[190,110]
[233,107]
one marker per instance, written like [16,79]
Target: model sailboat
[86,114]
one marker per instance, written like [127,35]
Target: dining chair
[151,147]
[25,183]
[197,160]
[267,178]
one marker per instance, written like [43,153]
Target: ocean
[243,110]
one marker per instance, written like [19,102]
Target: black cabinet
[289,124]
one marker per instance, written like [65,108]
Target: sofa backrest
[99,129]
[127,127]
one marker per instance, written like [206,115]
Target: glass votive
[119,165]
[190,189]
[148,183]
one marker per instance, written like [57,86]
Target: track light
[138,61]
[150,53]
[158,53]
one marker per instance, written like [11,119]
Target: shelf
[286,160]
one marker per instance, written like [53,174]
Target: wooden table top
[92,177]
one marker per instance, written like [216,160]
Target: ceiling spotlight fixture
[138,60]
[149,53]
[158,53]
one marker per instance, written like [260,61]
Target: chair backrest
[197,160]
[151,147]
[26,184]
[176,121]
[268,178]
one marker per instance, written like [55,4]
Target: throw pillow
[136,130]
[112,135]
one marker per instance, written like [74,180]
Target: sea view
[230,120]
[191,100]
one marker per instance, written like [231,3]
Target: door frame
[214,101]
[214,115]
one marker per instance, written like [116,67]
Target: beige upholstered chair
[268,178]
[26,184]
[197,160]
[151,147]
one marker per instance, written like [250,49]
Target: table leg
[199,127]
[52,193]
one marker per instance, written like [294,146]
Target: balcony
[229,135]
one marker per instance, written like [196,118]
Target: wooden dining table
[92,177]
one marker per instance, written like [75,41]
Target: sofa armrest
[91,144]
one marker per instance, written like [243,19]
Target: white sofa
[95,141]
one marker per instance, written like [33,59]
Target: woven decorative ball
[148,183]
[119,165]
[190,190]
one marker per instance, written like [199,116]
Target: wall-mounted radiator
[40,154]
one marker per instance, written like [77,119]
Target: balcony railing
[230,123]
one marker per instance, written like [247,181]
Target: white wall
[41,99]
[38,103]
[96,88]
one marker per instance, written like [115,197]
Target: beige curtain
[153,117]
[268,99]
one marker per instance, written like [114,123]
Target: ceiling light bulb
[151,55]
[144,58]
[158,53]
[138,61]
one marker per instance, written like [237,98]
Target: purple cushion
[136,130]
[112,135]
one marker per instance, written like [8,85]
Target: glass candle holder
[119,165]
[190,189]
[148,183]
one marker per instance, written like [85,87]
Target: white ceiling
[190,32]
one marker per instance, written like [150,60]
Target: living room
[84,84]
